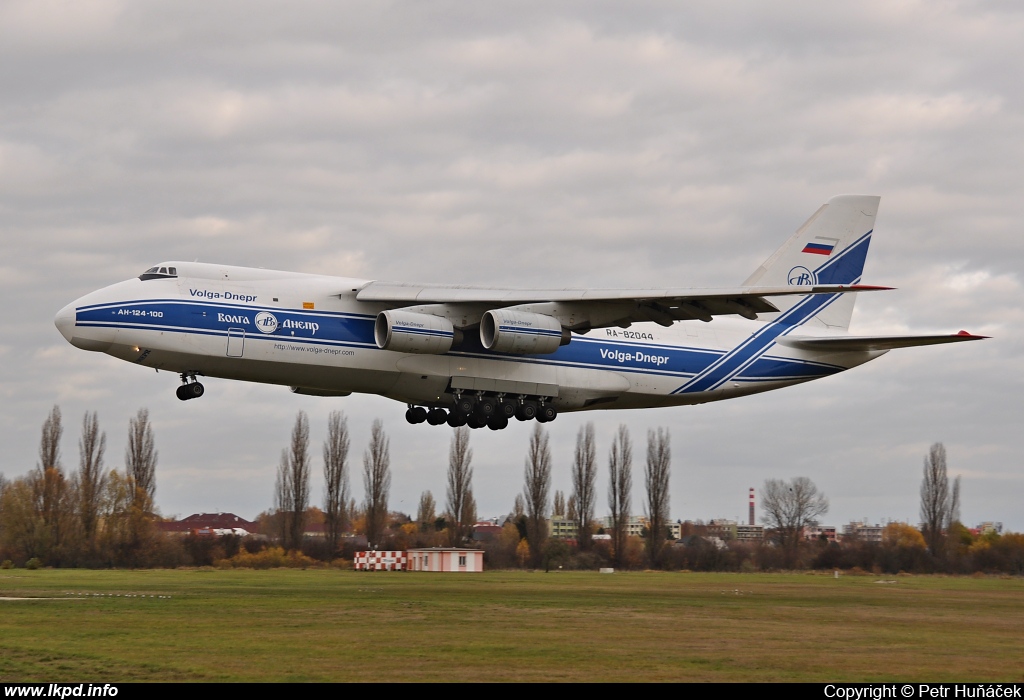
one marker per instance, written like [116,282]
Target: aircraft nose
[65,321]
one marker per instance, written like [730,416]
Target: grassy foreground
[328,625]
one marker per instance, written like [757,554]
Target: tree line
[88,517]
[106,518]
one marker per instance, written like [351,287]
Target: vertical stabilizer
[830,248]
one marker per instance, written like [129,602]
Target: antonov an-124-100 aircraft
[480,356]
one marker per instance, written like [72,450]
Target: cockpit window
[159,272]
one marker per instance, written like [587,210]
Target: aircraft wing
[603,307]
[849,343]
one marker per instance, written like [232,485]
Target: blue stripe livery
[845,268]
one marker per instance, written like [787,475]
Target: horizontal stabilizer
[852,343]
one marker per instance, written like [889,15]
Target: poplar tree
[620,490]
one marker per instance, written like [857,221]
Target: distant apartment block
[724,530]
[863,532]
[562,528]
[749,533]
[814,532]
[988,528]
[638,524]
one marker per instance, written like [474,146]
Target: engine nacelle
[404,331]
[521,333]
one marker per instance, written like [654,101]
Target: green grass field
[329,625]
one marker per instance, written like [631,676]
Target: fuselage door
[236,340]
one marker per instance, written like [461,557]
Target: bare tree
[620,490]
[49,488]
[49,483]
[789,508]
[584,484]
[460,484]
[377,482]
[656,478]
[295,461]
[426,514]
[954,504]
[140,460]
[558,505]
[518,507]
[940,504]
[336,490]
[49,442]
[91,477]
[469,515]
[283,504]
[535,492]
[291,489]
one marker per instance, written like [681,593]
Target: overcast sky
[523,144]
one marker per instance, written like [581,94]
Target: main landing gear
[479,411]
[190,388]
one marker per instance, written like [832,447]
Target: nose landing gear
[190,388]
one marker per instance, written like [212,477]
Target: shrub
[270,558]
[33,564]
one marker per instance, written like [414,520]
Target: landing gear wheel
[507,409]
[437,416]
[475,422]
[416,415]
[189,389]
[456,419]
[497,422]
[486,407]
[465,405]
[547,413]
[527,410]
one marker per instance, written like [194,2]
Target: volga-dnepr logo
[801,276]
[266,322]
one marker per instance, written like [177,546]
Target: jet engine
[521,333]
[405,331]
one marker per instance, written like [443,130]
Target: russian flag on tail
[821,246]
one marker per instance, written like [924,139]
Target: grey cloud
[517,144]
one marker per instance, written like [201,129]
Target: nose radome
[65,321]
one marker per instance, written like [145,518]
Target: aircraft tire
[475,422]
[195,390]
[182,392]
[416,415]
[486,407]
[547,413]
[498,422]
[507,409]
[456,419]
[437,416]
[465,406]
[527,410]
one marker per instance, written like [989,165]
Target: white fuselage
[310,332]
